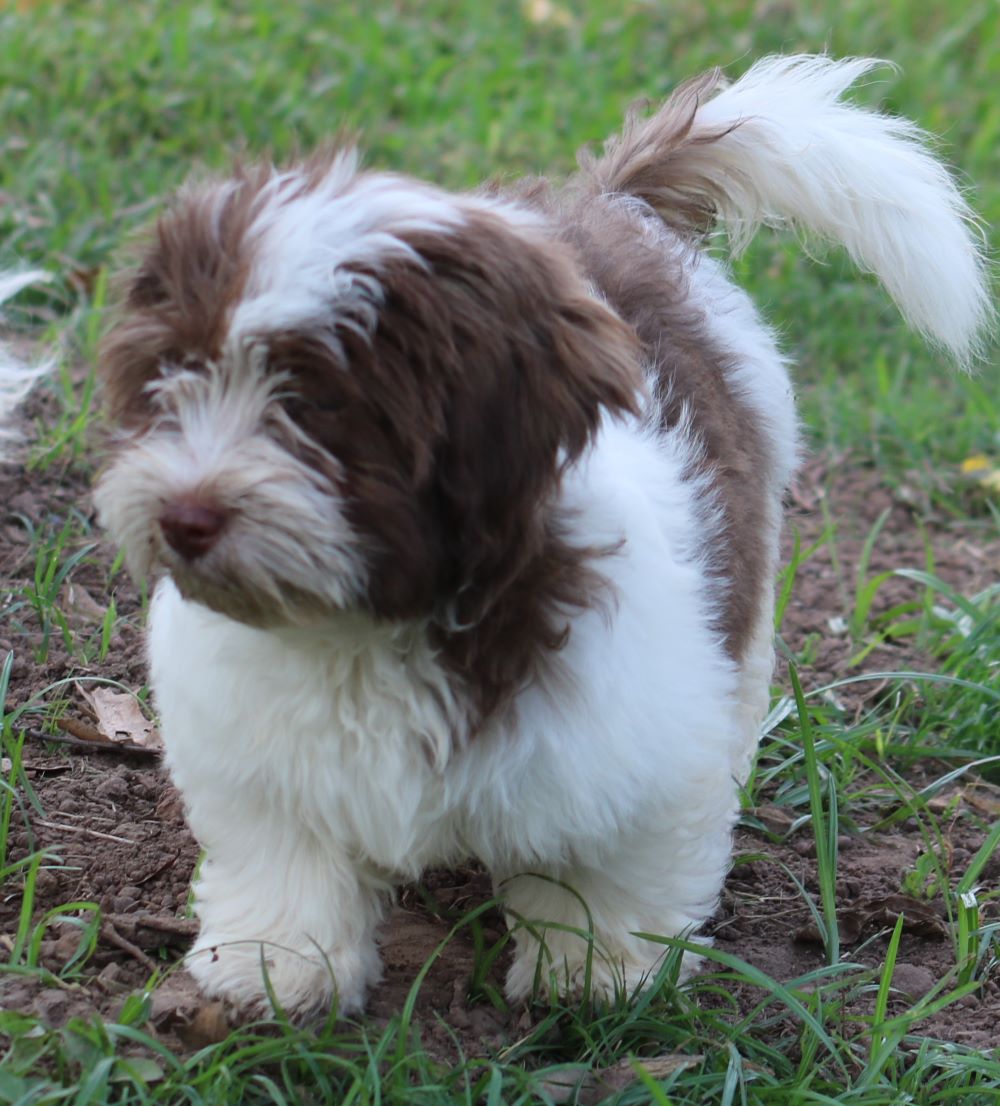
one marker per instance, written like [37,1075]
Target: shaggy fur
[466,511]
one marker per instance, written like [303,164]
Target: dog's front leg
[283,917]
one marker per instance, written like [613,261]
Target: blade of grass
[825,824]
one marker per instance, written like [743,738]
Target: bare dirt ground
[117,826]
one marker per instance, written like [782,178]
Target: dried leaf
[119,717]
[83,730]
[80,606]
[919,918]
[984,798]
[776,819]
[178,1006]
[592,1087]
[209,1026]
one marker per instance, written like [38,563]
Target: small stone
[171,807]
[52,1006]
[46,880]
[111,973]
[806,846]
[114,788]
[66,945]
[47,952]
[914,980]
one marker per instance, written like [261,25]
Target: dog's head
[340,389]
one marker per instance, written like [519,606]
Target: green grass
[105,107]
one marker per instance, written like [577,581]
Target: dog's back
[776,147]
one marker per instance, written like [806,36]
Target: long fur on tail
[779,146]
[16,378]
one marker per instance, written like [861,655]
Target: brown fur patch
[694,377]
[656,159]
[650,293]
[176,301]
[487,375]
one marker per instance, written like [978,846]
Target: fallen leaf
[983,470]
[775,819]
[919,918]
[983,797]
[178,1006]
[80,606]
[209,1026]
[589,1088]
[83,730]
[119,717]
[978,462]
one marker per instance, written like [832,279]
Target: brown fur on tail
[651,158]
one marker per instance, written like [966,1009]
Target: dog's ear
[517,362]
[172,306]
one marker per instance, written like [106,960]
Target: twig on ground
[113,937]
[84,832]
[159,923]
[74,736]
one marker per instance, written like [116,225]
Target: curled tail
[780,147]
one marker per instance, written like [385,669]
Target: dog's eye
[306,409]
[328,405]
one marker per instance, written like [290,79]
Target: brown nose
[191,529]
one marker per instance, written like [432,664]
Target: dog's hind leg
[579,927]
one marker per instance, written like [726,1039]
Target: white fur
[270,737]
[327,759]
[211,440]
[864,179]
[308,242]
[16,378]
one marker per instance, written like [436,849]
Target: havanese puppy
[466,511]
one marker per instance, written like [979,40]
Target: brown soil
[116,834]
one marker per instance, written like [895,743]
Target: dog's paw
[571,975]
[302,980]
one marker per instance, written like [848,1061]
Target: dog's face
[345,390]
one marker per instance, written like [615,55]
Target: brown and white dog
[466,509]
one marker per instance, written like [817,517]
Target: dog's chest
[343,738]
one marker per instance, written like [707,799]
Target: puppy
[466,511]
